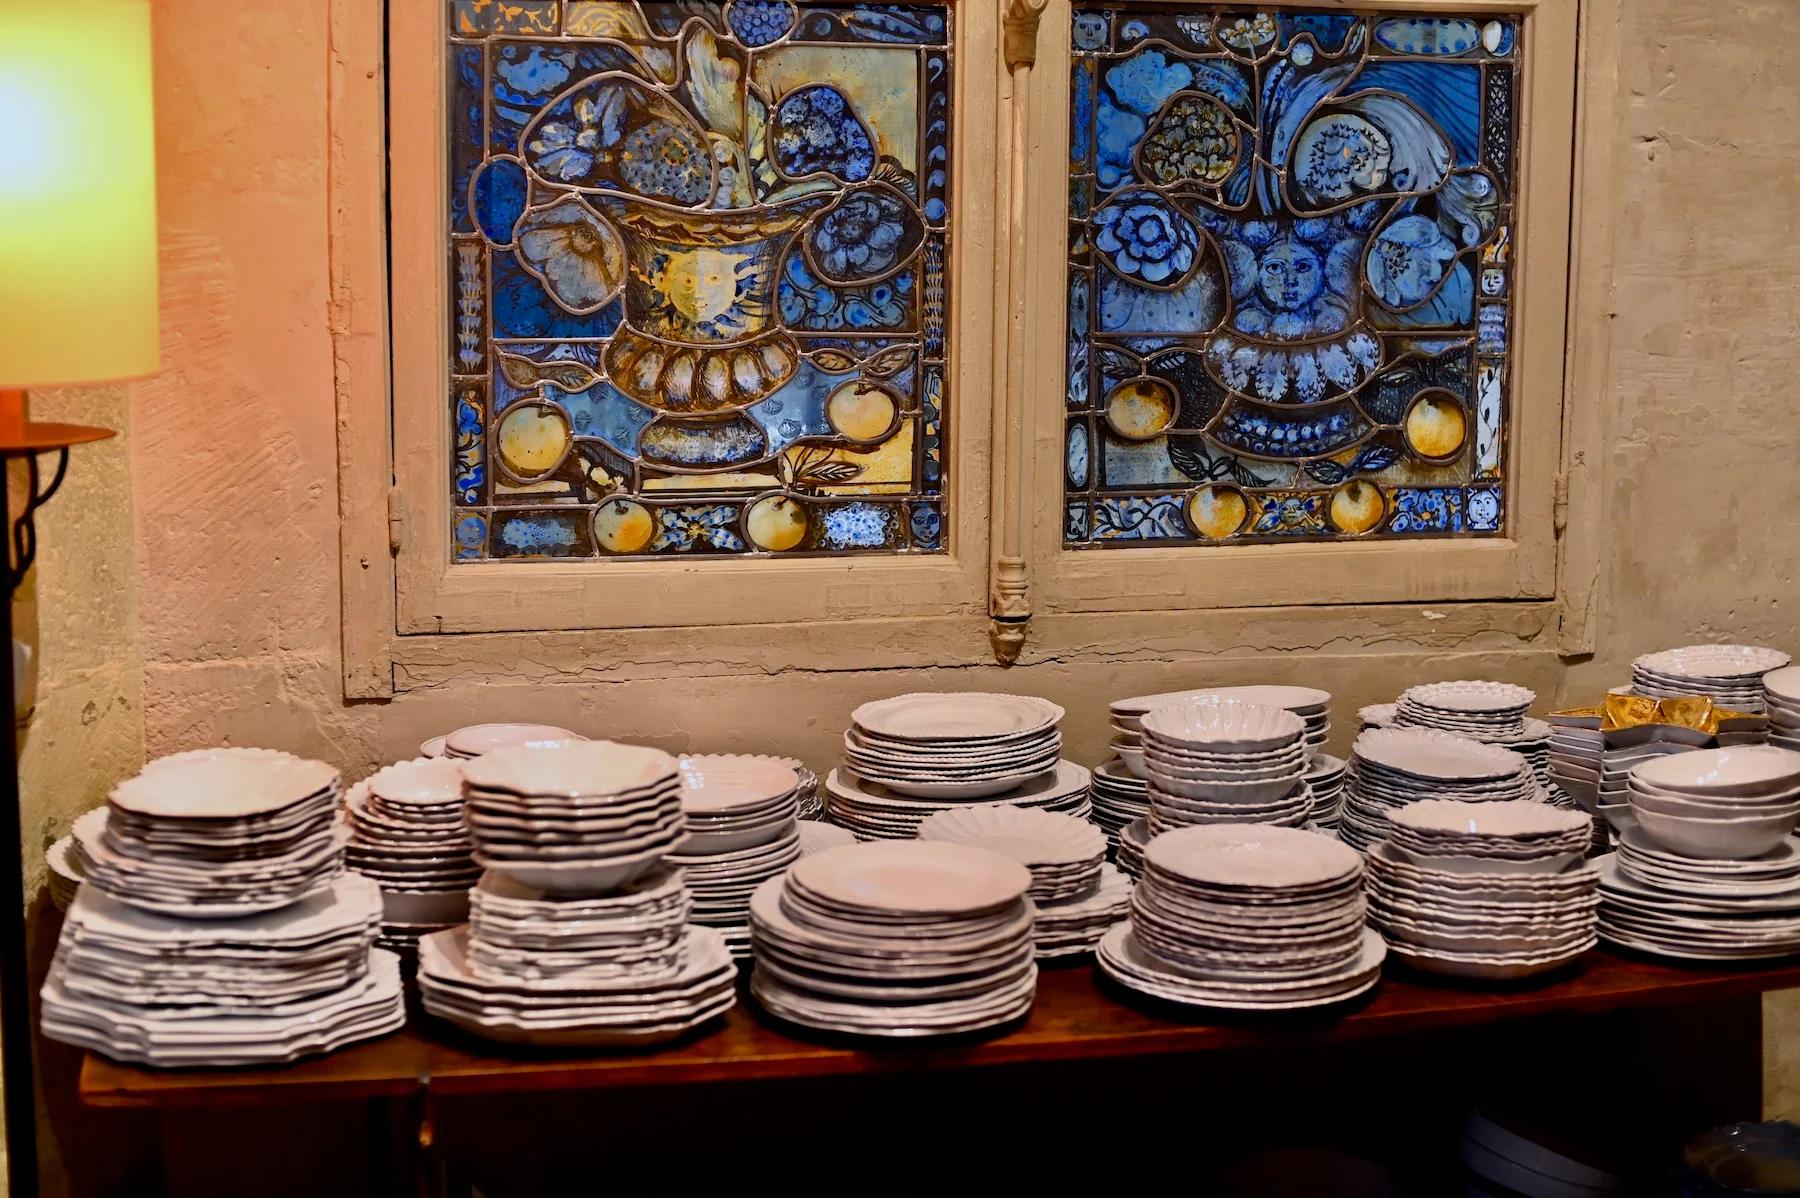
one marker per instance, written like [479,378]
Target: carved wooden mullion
[1009,599]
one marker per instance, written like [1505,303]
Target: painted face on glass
[1289,274]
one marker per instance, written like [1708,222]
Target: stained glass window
[697,277]
[1290,274]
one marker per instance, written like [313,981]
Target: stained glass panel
[697,257]
[1289,275]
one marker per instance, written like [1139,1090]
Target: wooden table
[429,1082]
[1077,1016]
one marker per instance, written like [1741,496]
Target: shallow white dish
[1214,724]
[955,716]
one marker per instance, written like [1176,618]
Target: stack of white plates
[1781,700]
[574,817]
[1476,709]
[1717,804]
[1377,715]
[216,832]
[522,935]
[896,939]
[641,1005]
[1729,675]
[1118,796]
[1066,857]
[478,739]
[874,812]
[1134,838]
[407,833]
[1312,705]
[1224,761]
[953,745]
[257,990]
[1325,777]
[741,832]
[65,872]
[1488,890]
[1391,767]
[1246,916]
[1702,909]
[1577,747]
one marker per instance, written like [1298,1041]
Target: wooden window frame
[648,619]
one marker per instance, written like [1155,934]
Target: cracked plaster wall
[232,457]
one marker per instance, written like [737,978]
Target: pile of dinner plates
[1781,701]
[741,815]
[633,1003]
[576,817]
[1312,705]
[875,812]
[1325,778]
[1391,767]
[896,939]
[1247,917]
[963,745]
[260,989]
[1134,838]
[1490,712]
[1216,760]
[478,739]
[64,871]
[1485,889]
[1729,675]
[1119,796]
[1078,896]
[1693,908]
[215,832]
[407,833]
[1717,804]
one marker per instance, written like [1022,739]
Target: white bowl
[1261,790]
[1204,723]
[1132,756]
[1716,839]
[1670,804]
[1740,770]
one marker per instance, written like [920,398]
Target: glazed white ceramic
[955,716]
[1212,724]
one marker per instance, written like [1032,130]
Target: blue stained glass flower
[578,256]
[1408,260]
[867,235]
[761,22]
[1144,237]
[693,527]
[816,130]
[856,526]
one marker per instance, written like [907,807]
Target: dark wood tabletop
[1078,1015]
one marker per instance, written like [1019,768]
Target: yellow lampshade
[77,193]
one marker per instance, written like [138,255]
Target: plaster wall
[232,455]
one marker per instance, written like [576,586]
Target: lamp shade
[77,193]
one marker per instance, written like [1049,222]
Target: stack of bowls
[477,739]
[1718,804]
[1224,761]
[742,831]
[1485,890]
[953,746]
[898,939]
[1078,896]
[1325,777]
[1119,796]
[1134,838]
[574,817]
[1312,705]
[1729,675]
[1246,917]
[1391,767]
[407,834]
[1781,700]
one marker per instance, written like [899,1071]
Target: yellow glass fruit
[776,523]
[1436,427]
[861,411]
[1357,507]
[1217,511]
[534,438]
[621,526]
[1139,409]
